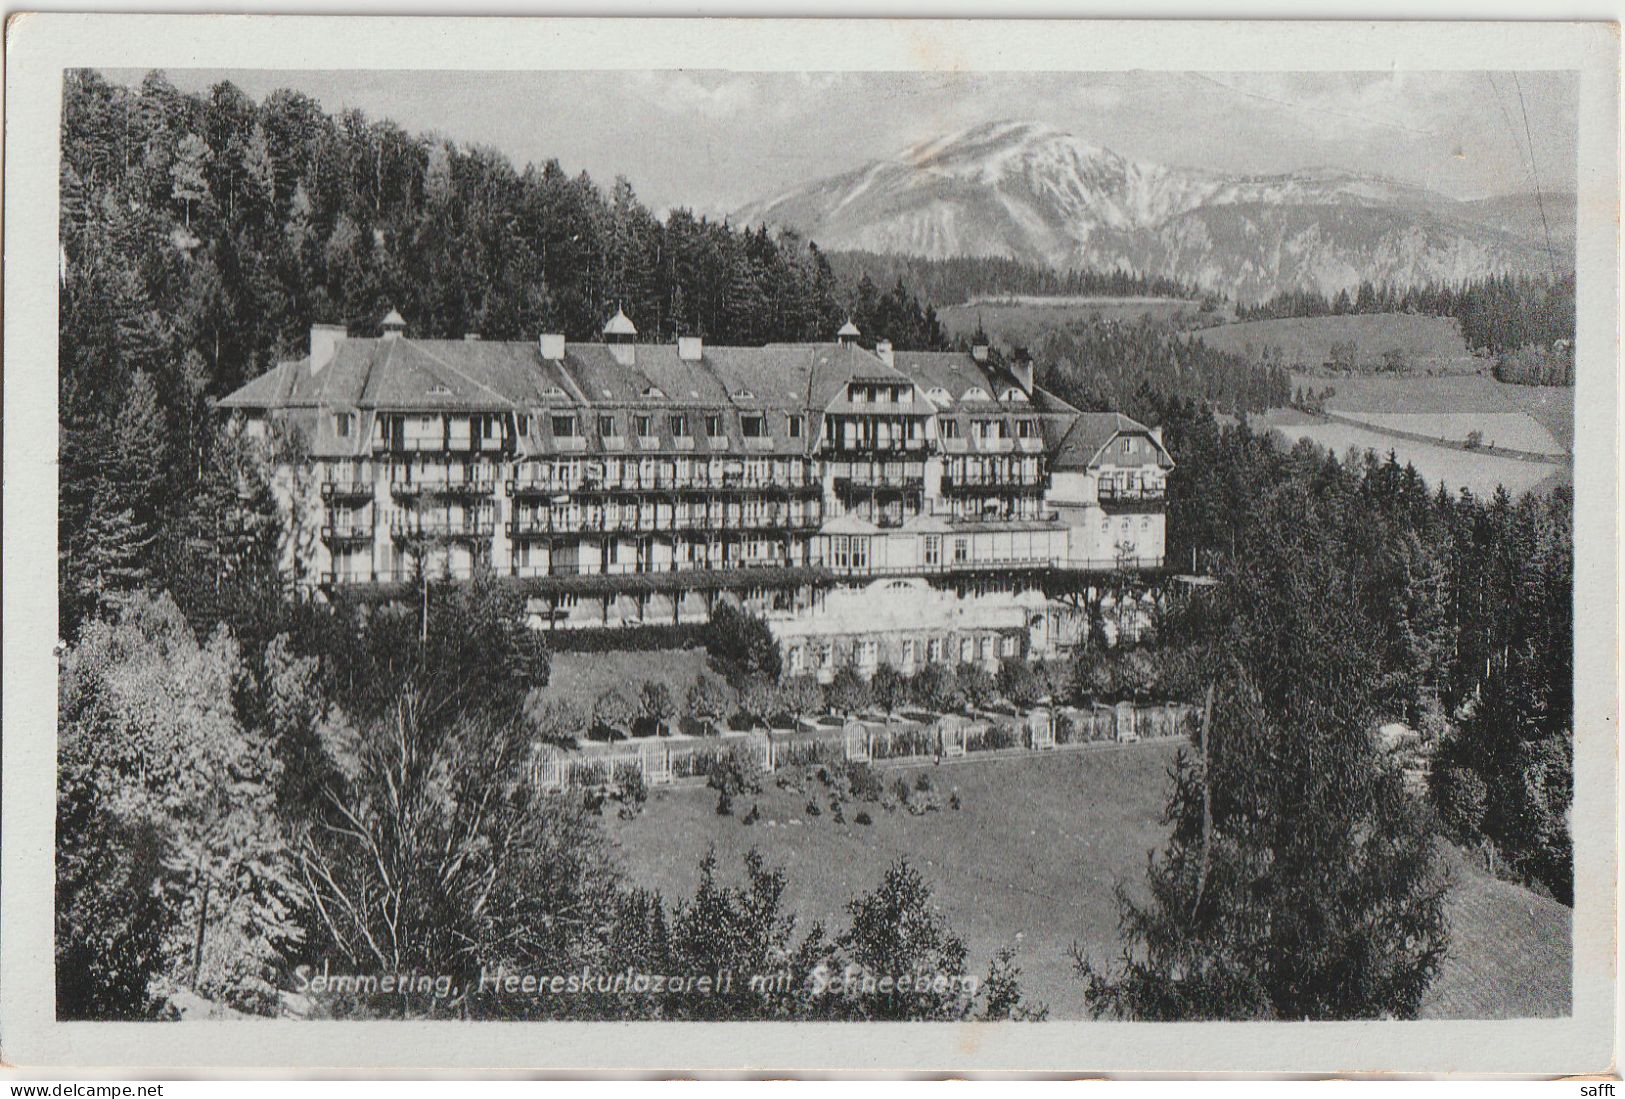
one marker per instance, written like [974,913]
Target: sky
[713,140]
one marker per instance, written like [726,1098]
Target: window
[987,649]
[606,425]
[713,424]
[860,395]
[522,422]
[654,393]
[907,661]
[826,655]
[860,553]
[939,395]
[931,550]
[933,650]
[645,424]
[753,425]
[976,393]
[961,550]
[344,423]
[865,654]
[488,427]
[1128,446]
[792,659]
[1026,429]
[1007,645]
[966,653]
[949,429]
[795,424]
[679,426]
[840,550]
[564,427]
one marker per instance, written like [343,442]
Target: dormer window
[976,393]
[1011,395]
[554,393]
[439,391]
[522,423]
[1026,429]
[744,395]
[753,425]
[713,424]
[606,426]
[653,393]
[948,429]
[564,427]
[795,424]
[344,424]
[939,395]
[679,426]
[645,425]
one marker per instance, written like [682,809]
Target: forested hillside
[1499,315]
[959,279]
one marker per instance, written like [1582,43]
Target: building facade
[872,505]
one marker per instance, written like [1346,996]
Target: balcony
[1119,495]
[334,534]
[450,530]
[346,490]
[936,568]
[471,486]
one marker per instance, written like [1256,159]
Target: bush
[863,817]
[555,720]
[753,816]
[936,688]
[863,782]
[976,686]
[1461,798]
[953,801]
[655,700]
[922,782]
[742,643]
[613,713]
[708,701]
[849,692]
[889,688]
[812,809]
[630,789]
[900,790]
[1019,683]
[733,775]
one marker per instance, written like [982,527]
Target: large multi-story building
[871,505]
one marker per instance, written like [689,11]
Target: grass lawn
[1306,342]
[582,677]
[1030,860]
[1550,406]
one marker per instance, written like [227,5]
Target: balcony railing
[1108,493]
[991,564]
[346,490]
[333,533]
[450,529]
[469,486]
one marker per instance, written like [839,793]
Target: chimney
[884,353]
[324,341]
[690,348]
[978,352]
[552,346]
[1021,368]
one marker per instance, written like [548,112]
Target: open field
[1550,406]
[1024,319]
[1030,860]
[1428,343]
[1504,430]
[1453,467]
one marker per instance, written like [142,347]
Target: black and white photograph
[704,544]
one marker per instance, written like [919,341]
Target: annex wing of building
[871,505]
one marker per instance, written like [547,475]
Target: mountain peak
[1029,190]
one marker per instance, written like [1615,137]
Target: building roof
[776,386]
[620,325]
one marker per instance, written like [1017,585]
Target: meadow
[1454,467]
[1305,343]
[1552,407]
[1030,860]
[1024,319]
